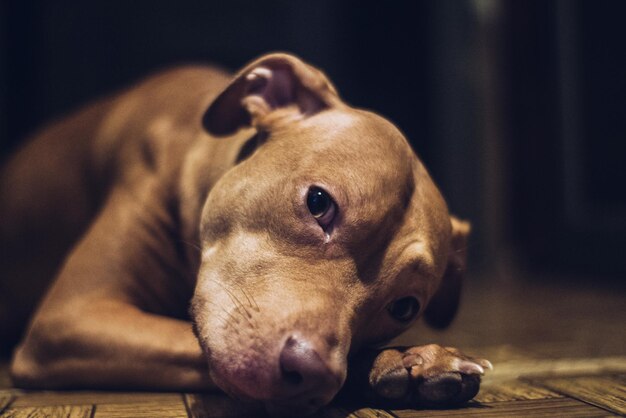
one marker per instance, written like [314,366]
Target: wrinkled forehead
[365,157]
[393,181]
[355,146]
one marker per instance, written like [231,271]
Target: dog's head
[329,236]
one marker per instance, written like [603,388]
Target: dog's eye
[321,206]
[404,310]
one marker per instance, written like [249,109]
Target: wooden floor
[558,350]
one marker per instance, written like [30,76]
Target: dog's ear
[272,82]
[443,306]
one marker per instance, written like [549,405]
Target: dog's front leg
[111,345]
[422,376]
[91,330]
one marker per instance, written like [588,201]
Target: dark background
[517,107]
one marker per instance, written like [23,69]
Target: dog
[252,233]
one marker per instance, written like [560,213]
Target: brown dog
[302,230]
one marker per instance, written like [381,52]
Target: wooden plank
[215,405]
[513,391]
[48,398]
[221,406]
[548,408]
[5,400]
[166,409]
[507,371]
[607,392]
[370,413]
[60,411]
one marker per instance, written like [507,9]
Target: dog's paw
[428,375]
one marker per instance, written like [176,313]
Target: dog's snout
[307,371]
[300,363]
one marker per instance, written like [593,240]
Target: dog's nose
[306,371]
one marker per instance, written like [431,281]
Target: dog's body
[305,231]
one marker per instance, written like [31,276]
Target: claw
[468,367]
[486,364]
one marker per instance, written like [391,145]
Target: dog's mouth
[279,406]
[237,385]
[252,378]
[287,368]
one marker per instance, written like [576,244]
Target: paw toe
[440,388]
[393,384]
[470,386]
[449,388]
[427,375]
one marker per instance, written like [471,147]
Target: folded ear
[443,306]
[271,82]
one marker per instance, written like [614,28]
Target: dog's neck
[204,164]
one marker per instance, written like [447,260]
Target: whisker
[236,302]
[249,318]
[226,320]
[256,305]
[246,295]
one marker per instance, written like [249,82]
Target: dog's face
[329,236]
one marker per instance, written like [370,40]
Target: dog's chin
[248,389]
[274,407]
[237,389]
